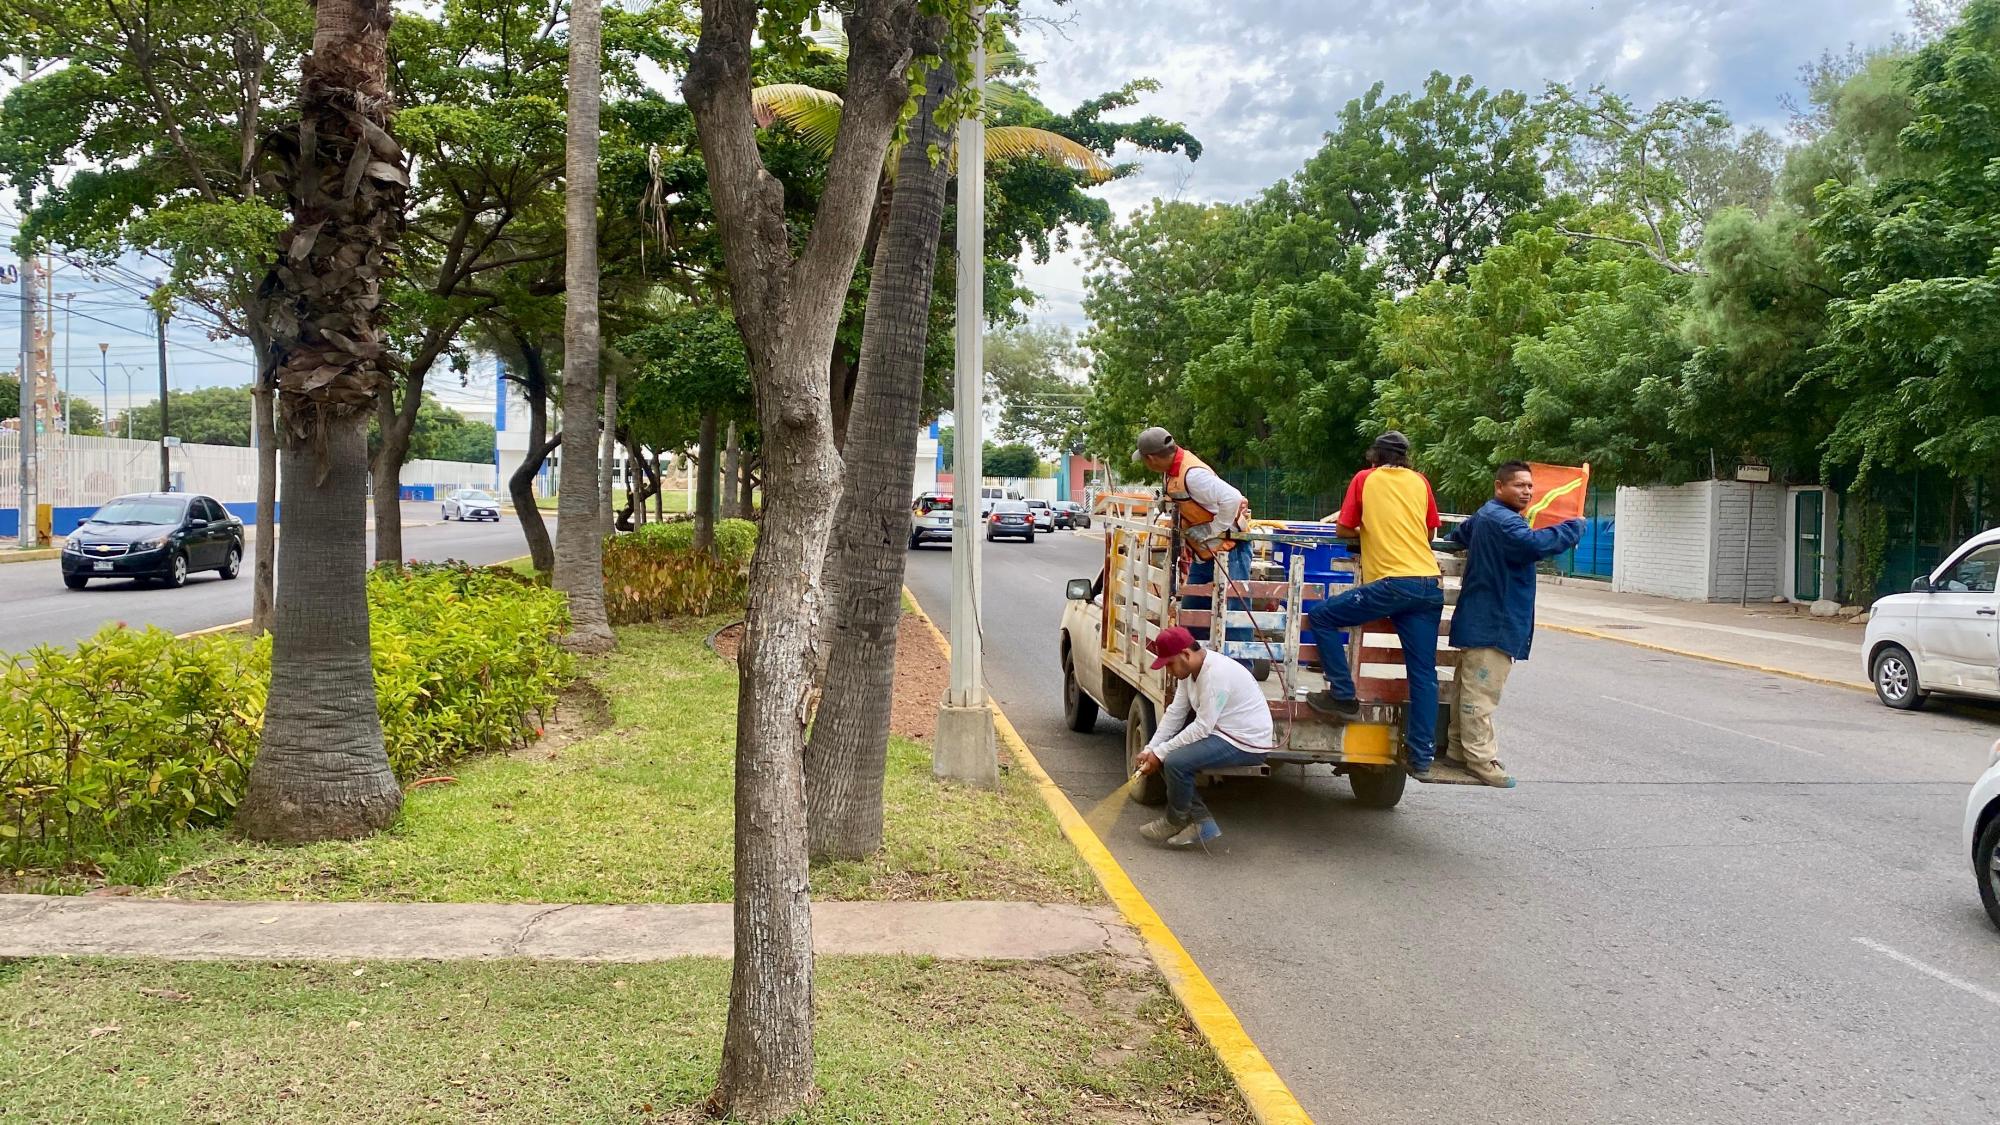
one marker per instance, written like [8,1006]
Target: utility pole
[166,471]
[104,380]
[69,319]
[965,749]
[28,532]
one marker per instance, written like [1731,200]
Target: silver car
[1045,515]
[471,504]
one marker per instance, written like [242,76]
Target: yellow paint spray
[1104,814]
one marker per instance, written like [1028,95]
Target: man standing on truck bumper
[1391,507]
[1211,511]
[1218,719]
[1494,622]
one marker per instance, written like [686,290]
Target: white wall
[1687,541]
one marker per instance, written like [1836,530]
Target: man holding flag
[1494,622]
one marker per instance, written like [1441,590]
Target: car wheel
[1986,861]
[1030,537]
[989,537]
[1151,789]
[1079,710]
[177,572]
[1896,683]
[75,581]
[233,565]
[1378,787]
[444,514]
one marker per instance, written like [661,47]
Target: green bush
[655,573]
[139,733]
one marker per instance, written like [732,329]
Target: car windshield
[476,497]
[929,504]
[140,510]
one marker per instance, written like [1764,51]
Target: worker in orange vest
[1212,512]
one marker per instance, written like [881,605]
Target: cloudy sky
[1260,81]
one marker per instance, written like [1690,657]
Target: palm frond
[812,113]
[1015,142]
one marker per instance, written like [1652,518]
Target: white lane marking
[1932,971]
[1716,726]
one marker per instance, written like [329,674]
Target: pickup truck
[1107,622]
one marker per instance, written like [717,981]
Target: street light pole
[166,470]
[104,381]
[964,747]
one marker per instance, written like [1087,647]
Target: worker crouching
[1218,719]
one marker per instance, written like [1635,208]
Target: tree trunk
[321,772]
[732,464]
[705,486]
[848,754]
[521,482]
[386,476]
[788,310]
[264,567]
[746,500]
[607,454]
[640,485]
[660,493]
[579,539]
[841,375]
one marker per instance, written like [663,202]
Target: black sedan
[154,537]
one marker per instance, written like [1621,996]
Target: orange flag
[1559,492]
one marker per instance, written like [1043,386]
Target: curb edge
[1808,677]
[1271,1102]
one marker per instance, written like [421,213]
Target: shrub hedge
[655,573]
[138,733]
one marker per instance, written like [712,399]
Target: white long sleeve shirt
[1217,495]
[1222,698]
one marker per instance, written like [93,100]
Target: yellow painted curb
[1808,677]
[35,554]
[233,625]
[1271,1101]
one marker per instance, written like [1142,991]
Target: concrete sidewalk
[56,925]
[1770,637]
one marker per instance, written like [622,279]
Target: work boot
[1491,774]
[1339,710]
[1160,831]
[1193,834]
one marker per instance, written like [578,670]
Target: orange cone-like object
[1559,492]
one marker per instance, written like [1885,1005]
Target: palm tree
[848,754]
[579,531]
[321,772]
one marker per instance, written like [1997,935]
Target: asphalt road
[1717,896]
[36,608]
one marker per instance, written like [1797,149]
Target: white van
[991,494]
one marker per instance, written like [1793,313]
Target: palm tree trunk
[732,465]
[321,772]
[846,759]
[607,454]
[264,567]
[705,486]
[579,538]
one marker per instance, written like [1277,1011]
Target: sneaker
[1193,834]
[1421,773]
[1160,831]
[1344,710]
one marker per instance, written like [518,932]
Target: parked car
[472,504]
[1071,514]
[154,537]
[930,519]
[1045,515]
[1981,838]
[1010,519]
[1941,636]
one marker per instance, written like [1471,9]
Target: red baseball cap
[1170,643]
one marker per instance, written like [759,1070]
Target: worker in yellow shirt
[1391,507]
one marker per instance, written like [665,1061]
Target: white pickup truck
[1106,667]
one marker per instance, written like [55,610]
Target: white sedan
[471,504]
[1981,838]
[1942,635]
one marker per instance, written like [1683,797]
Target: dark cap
[1170,643]
[1393,441]
[1155,442]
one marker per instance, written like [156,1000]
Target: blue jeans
[1415,605]
[1202,571]
[1180,765]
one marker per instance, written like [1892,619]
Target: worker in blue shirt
[1494,621]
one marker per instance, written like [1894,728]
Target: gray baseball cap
[1393,441]
[1155,442]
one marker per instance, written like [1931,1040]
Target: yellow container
[45,521]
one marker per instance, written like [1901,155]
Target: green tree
[443,434]
[1034,372]
[84,417]
[204,416]
[1010,461]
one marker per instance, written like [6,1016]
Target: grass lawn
[639,812]
[899,1039]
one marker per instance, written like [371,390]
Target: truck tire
[1378,787]
[1896,683]
[1079,709]
[1151,789]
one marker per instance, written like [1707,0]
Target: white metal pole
[965,749]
